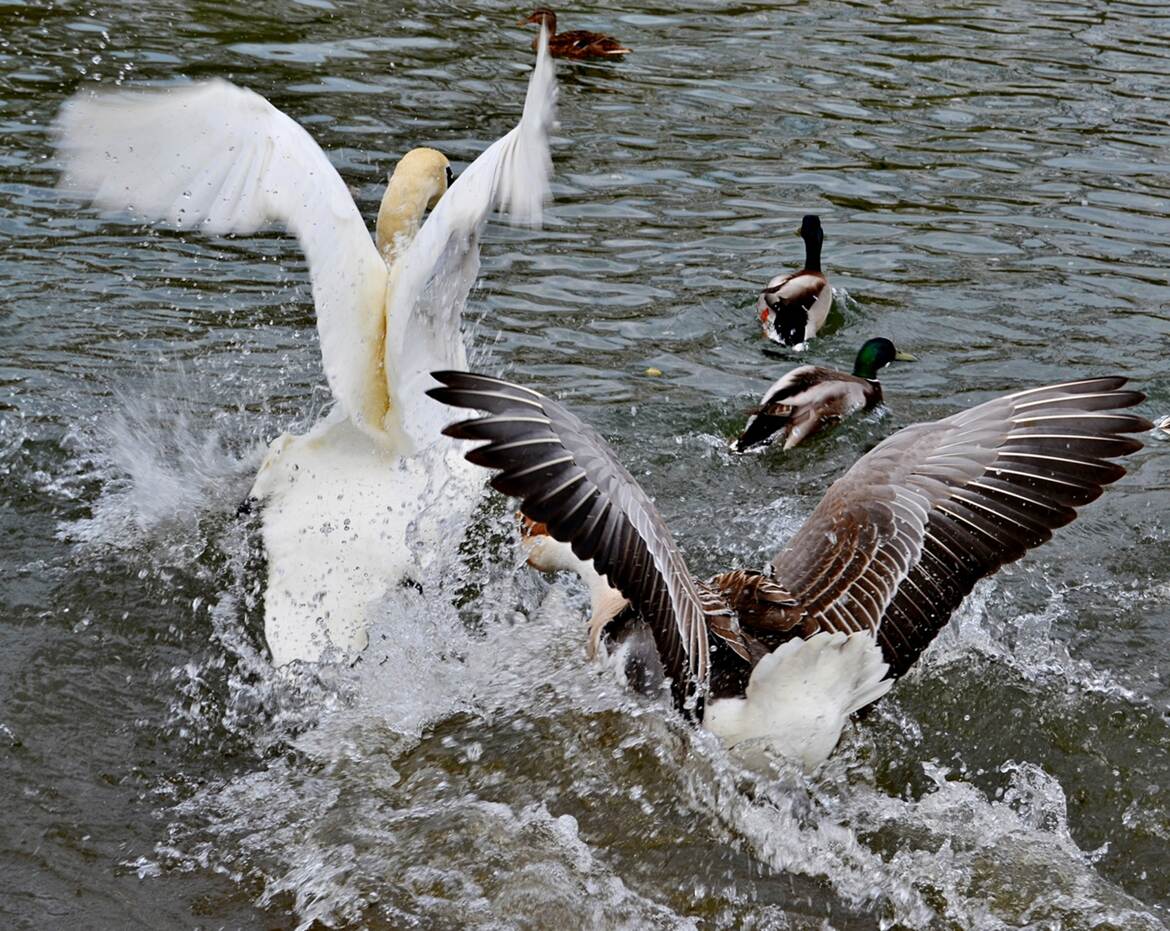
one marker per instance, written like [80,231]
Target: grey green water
[994,180]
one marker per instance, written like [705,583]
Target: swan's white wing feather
[222,159]
[436,273]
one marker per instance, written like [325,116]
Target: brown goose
[781,658]
[793,308]
[576,44]
[809,398]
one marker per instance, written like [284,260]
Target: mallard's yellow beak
[900,356]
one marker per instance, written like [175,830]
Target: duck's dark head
[810,229]
[542,16]
[876,354]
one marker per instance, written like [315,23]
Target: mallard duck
[810,398]
[781,658]
[339,501]
[576,44]
[793,308]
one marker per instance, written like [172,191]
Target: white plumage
[800,696]
[797,289]
[349,507]
[222,159]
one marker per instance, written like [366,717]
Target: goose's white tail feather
[800,696]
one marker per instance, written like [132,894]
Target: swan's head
[427,171]
[420,178]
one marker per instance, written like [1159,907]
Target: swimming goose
[780,658]
[576,44]
[810,398]
[352,506]
[793,308]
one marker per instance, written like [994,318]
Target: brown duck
[576,44]
[780,659]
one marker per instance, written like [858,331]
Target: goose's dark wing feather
[568,478]
[898,542]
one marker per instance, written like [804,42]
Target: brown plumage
[811,398]
[576,44]
[892,549]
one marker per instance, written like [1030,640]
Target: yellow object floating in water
[653,371]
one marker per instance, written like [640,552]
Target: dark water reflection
[994,184]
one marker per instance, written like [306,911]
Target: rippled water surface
[994,181]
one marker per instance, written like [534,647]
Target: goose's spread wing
[899,541]
[222,159]
[568,478]
[435,274]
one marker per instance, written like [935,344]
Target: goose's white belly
[340,529]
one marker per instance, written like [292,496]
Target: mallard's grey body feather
[805,401]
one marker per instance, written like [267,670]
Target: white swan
[347,507]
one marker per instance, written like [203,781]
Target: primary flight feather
[784,656]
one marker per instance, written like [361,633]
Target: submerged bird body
[576,44]
[793,308]
[781,658]
[549,555]
[351,507]
[811,398]
[793,698]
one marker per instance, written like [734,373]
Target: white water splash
[374,793]
[163,463]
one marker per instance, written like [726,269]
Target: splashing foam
[387,808]
[374,792]
[987,624]
[161,468]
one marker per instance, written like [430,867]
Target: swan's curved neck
[402,209]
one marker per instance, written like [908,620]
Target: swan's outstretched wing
[222,159]
[568,478]
[435,274]
[898,542]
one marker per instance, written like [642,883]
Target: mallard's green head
[877,354]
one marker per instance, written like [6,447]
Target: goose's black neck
[812,251]
[813,236]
